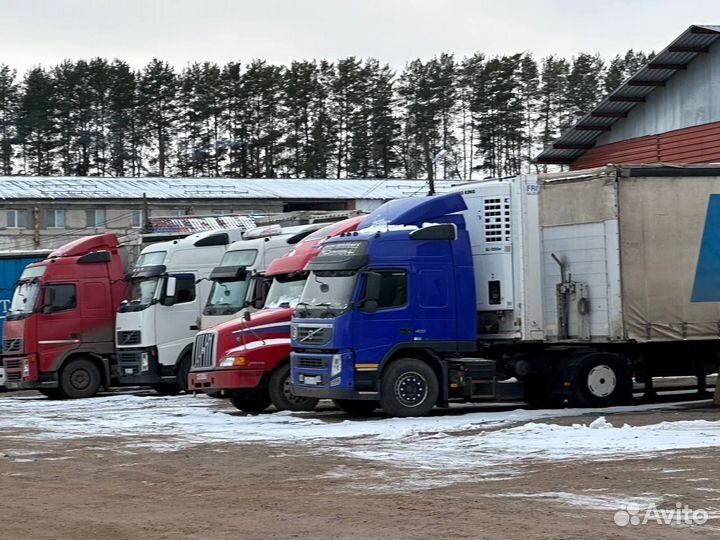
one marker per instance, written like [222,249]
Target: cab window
[185,288]
[59,298]
[393,289]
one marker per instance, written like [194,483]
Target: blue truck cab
[386,310]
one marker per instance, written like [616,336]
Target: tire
[358,408]
[251,401]
[282,395]
[51,393]
[79,378]
[166,389]
[182,371]
[602,380]
[409,387]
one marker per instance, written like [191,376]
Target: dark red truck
[58,336]
[248,361]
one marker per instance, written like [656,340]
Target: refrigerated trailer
[543,288]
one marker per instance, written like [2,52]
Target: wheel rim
[80,379]
[601,381]
[411,389]
[289,394]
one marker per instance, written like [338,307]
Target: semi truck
[248,361]
[238,283]
[12,264]
[58,331]
[161,310]
[549,288]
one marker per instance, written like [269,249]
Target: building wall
[690,98]
[698,144]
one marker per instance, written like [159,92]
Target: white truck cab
[165,296]
[238,283]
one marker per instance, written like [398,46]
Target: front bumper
[331,393]
[213,381]
[21,373]
[327,382]
[140,366]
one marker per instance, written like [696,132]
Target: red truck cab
[248,361]
[58,336]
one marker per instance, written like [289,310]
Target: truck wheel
[602,380]
[358,407]
[166,389]
[251,401]
[79,378]
[51,393]
[409,388]
[182,371]
[282,395]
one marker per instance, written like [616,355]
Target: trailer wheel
[251,401]
[409,388]
[79,378]
[282,395]
[356,407]
[601,380]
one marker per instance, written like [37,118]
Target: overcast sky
[182,31]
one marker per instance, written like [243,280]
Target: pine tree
[529,95]
[124,134]
[553,87]
[233,113]
[300,93]
[157,92]
[584,86]
[9,96]
[382,126]
[36,123]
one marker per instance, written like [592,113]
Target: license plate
[312,379]
[201,377]
[128,371]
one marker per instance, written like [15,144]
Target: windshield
[327,293]
[227,297]
[139,294]
[153,258]
[240,257]
[23,300]
[285,291]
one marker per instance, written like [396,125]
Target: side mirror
[370,306]
[258,303]
[170,290]
[247,316]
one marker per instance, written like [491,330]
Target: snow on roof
[19,187]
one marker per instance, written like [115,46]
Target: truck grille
[12,363]
[12,376]
[128,337]
[128,362]
[204,350]
[314,335]
[311,362]
[12,345]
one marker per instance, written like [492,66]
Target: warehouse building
[669,111]
[45,212]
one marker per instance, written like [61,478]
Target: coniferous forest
[355,118]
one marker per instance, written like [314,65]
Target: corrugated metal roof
[14,187]
[190,224]
[675,57]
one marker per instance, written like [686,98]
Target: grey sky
[395,31]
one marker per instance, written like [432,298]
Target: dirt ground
[83,489]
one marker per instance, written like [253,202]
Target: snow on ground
[424,451]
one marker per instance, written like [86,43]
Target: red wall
[698,144]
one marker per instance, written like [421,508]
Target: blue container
[12,264]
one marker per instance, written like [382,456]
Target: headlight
[293,332]
[231,361]
[144,361]
[336,365]
[25,367]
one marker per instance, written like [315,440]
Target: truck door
[59,323]
[376,333]
[177,325]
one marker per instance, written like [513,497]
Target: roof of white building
[18,187]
